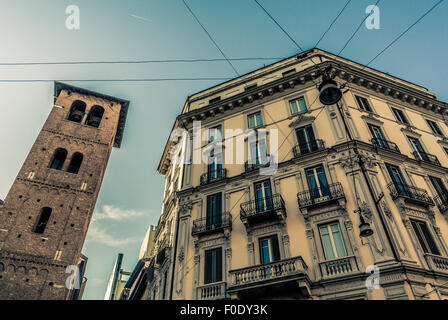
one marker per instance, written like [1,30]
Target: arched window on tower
[58,159]
[77,111]
[95,116]
[75,163]
[42,220]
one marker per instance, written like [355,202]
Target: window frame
[421,236]
[254,114]
[296,100]
[214,278]
[435,128]
[332,241]
[402,115]
[356,96]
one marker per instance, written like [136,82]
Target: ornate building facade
[46,214]
[343,201]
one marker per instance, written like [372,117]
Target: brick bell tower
[46,214]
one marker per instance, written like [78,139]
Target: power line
[404,32]
[211,38]
[278,25]
[115,80]
[139,61]
[335,19]
[356,31]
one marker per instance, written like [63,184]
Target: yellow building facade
[272,195]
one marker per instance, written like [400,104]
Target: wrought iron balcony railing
[214,175]
[212,291]
[308,147]
[258,163]
[318,196]
[338,267]
[267,272]
[442,203]
[262,206]
[384,144]
[437,263]
[427,157]
[208,225]
[409,193]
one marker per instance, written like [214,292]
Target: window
[332,241]
[250,87]
[213,266]
[397,179]
[363,103]
[400,116]
[424,237]
[75,163]
[258,152]
[378,135]
[77,111]
[435,127]
[269,249]
[215,134]
[298,105]
[95,116]
[255,120]
[306,139]
[214,210]
[439,186]
[418,150]
[287,73]
[42,220]
[214,100]
[317,182]
[263,196]
[58,159]
[214,168]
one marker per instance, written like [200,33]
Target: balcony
[249,166]
[204,226]
[410,194]
[442,203]
[426,157]
[268,280]
[384,144]
[437,263]
[262,209]
[213,176]
[308,147]
[213,291]
[338,267]
[320,196]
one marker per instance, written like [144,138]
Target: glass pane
[294,109]
[338,241]
[252,121]
[312,183]
[259,121]
[302,105]
[326,242]
[265,256]
[263,152]
[323,184]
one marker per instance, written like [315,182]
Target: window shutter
[208,266]
[275,248]
[218,265]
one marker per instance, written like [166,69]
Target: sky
[111,30]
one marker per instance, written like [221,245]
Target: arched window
[77,111]
[42,220]
[58,159]
[75,163]
[95,116]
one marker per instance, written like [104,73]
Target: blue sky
[130,198]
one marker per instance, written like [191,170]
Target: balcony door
[317,182]
[332,241]
[377,133]
[441,190]
[214,211]
[213,266]
[306,139]
[214,168]
[417,147]
[424,237]
[397,179]
[263,196]
[269,249]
